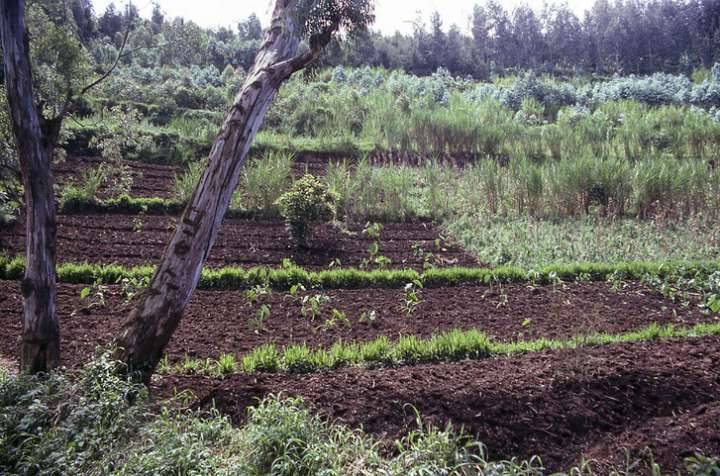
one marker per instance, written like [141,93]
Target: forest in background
[623,37]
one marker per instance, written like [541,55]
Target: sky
[391,15]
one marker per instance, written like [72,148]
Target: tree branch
[112,68]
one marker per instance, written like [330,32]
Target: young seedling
[504,299]
[428,258]
[583,278]
[93,297]
[412,298]
[296,289]
[257,322]
[312,305]
[369,317]
[382,262]
[253,294]
[138,224]
[131,287]
[338,317]
[616,281]
[373,231]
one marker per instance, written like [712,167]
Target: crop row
[450,346]
[288,276]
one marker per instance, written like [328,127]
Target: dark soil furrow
[134,240]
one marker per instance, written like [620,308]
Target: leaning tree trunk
[157,314]
[40,331]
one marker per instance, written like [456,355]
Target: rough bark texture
[35,141]
[157,314]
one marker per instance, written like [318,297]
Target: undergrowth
[100,423]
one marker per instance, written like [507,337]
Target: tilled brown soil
[134,239]
[224,322]
[559,404]
[149,180]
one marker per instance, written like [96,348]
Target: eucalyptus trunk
[35,138]
[154,318]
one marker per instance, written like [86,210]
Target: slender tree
[35,138]
[36,128]
[157,313]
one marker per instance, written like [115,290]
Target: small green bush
[309,201]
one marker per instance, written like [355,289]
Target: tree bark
[35,138]
[155,317]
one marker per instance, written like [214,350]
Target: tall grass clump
[264,180]
[185,184]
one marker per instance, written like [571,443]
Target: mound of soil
[694,431]
[224,322]
[558,404]
[135,239]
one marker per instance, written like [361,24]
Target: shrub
[309,201]
[52,425]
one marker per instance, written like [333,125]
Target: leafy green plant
[412,297]
[369,317]
[256,292]
[257,322]
[132,286]
[449,346]
[227,364]
[311,306]
[308,202]
[338,317]
[94,297]
[296,289]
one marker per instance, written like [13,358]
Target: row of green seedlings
[451,346]
[288,275]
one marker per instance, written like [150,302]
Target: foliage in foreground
[58,424]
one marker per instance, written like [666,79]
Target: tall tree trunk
[35,141]
[155,317]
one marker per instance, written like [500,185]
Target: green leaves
[308,202]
